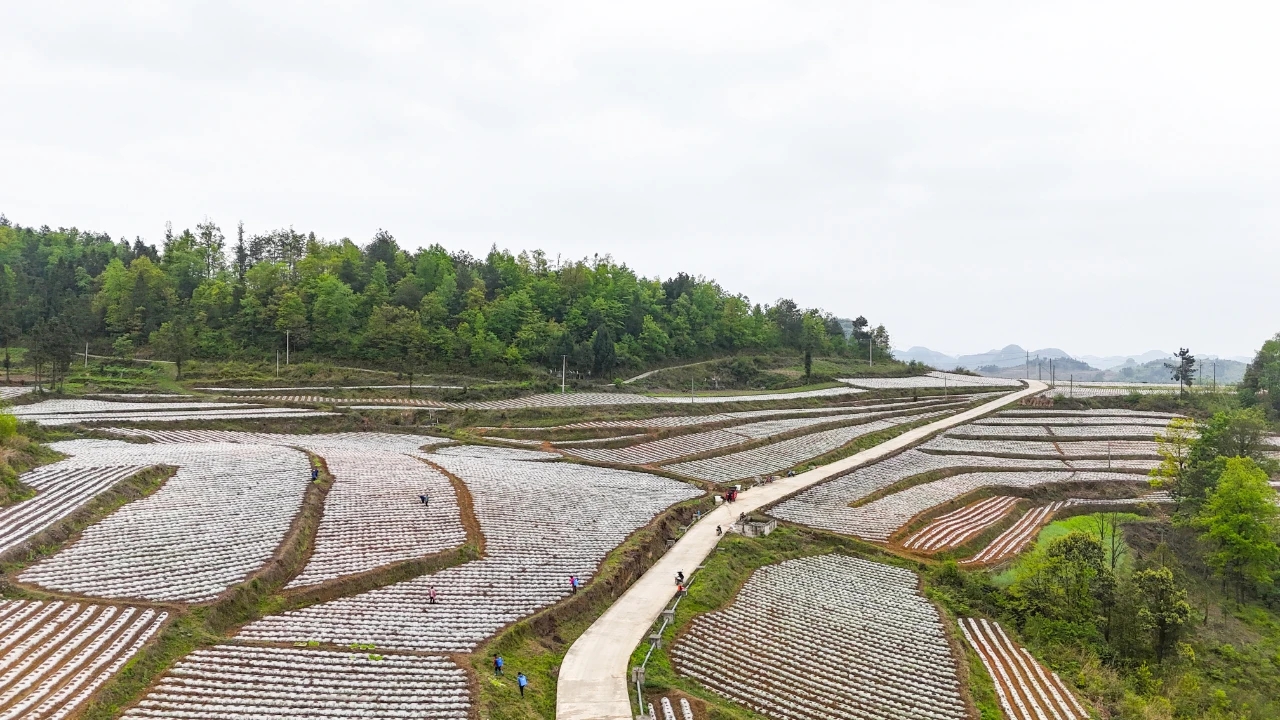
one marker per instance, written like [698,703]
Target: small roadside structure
[757,527]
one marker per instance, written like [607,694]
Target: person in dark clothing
[425,499]
[680,577]
[573,583]
[522,681]
[498,662]
[315,474]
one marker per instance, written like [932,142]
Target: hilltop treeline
[203,295]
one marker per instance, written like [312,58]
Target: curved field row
[1064,432]
[671,421]
[588,399]
[1027,690]
[234,682]
[169,415]
[1090,413]
[408,403]
[1155,423]
[97,407]
[827,637]
[9,393]
[390,442]
[53,656]
[485,452]
[218,519]
[784,453]
[1059,448]
[542,522]
[954,528]
[934,379]
[1093,391]
[61,489]
[672,448]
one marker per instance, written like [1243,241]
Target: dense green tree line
[202,295]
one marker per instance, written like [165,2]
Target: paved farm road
[593,683]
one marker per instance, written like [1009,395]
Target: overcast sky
[1098,177]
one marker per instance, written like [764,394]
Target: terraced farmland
[219,518]
[994,464]
[542,522]
[931,380]
[785,453]
[373,515]
[56,654]
[234,682]
[588,399]
[827,637]
[68,412]
[711,441]
[674,421]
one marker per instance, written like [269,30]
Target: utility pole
[1215,376]
[277,362]
[1028,364]
[564,364]
[871,343]
[1073,385]
[86,353]
[690,391]
[1039,368]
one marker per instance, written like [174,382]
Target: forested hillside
[204,295]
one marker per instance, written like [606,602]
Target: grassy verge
[19,454]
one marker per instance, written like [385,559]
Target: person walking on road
[498,662]
[425,499]
[573,584]
[522,681]
[431,595]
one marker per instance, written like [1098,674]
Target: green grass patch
[1060,528]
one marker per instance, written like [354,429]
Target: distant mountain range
[1012,356]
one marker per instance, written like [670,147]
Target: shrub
[8,426]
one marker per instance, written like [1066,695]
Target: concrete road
[593,682]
